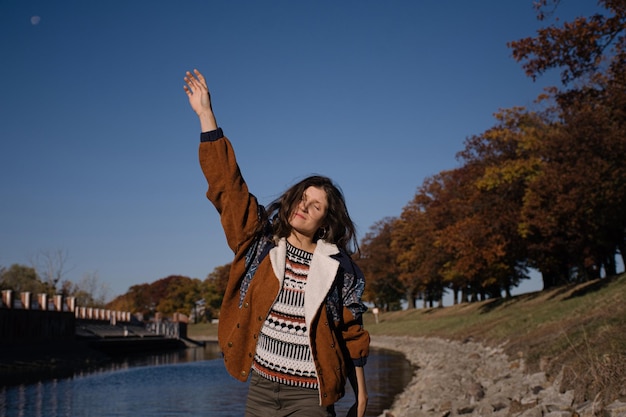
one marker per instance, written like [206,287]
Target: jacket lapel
[322,274]
[278,258]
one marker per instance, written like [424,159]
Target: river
[192,382]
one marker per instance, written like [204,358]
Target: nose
[304,206]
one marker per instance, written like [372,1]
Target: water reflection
[190,382]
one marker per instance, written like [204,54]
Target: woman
[291,317]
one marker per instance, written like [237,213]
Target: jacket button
[325,395]
[325,323]
[254,335]
[230,344]
[243,373]
[250,354]
[332,345]
[246,304]
[237,325]
[260,318]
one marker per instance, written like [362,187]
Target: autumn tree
[415,239]
[499,163]
[175,294]
[379,264]
[574,212]
[584,47]
[168,295]
[180,296]
[543,188]
[213,288]
[478,237]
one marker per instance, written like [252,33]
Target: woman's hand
[200,99]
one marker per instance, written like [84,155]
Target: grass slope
[580,329]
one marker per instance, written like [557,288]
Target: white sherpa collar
[322,272]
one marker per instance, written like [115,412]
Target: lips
[299,215]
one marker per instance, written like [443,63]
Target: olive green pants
[273,399]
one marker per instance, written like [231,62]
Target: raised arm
[227,190]
[200,99]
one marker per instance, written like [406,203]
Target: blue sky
[98,145]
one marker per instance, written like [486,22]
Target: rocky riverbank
[468,379]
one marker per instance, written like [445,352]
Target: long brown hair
[337,227]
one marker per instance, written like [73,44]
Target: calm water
[192,382]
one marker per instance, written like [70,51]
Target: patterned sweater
[283,353]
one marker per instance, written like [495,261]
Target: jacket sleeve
[238,209]
[357,339]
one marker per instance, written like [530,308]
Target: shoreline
[453,378]
[469,379]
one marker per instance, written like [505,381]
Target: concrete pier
[45,337]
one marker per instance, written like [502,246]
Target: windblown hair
[337,227]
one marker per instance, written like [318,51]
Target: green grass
[202,331]
[579,328]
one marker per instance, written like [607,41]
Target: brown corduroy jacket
[338,341]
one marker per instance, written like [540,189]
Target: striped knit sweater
[283,353]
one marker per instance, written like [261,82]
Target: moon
[35,20]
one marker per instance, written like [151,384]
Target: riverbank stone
[454,378]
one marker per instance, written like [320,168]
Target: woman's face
[308,215]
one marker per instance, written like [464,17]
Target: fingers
[200,77]
[191,82]
[195,82]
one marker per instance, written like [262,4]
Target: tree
[51,266]
[213,289]
[378,261]
[20,278]
[499,163]
[544,188]
[482,236]
[584,47]
[174,294]
[182,293]
[574,210]
[138,300]
[89,291]
[420,260]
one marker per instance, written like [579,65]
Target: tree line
[544,188]
[88,291]
[200,299]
